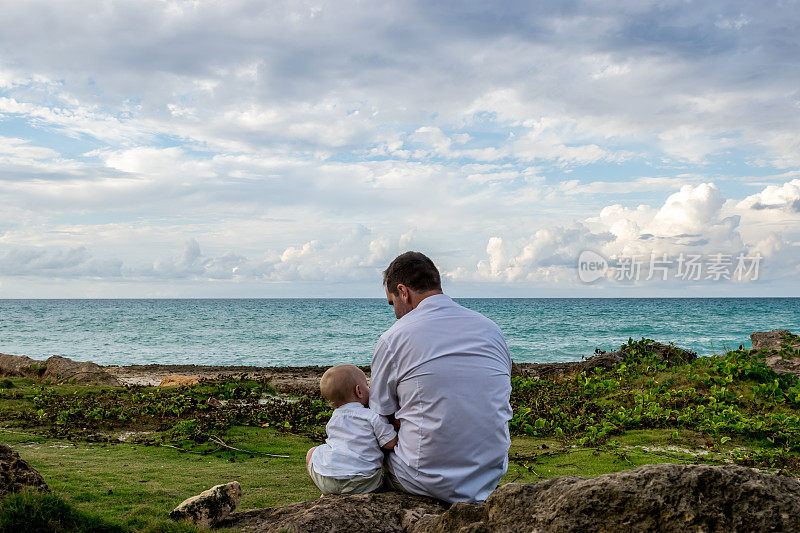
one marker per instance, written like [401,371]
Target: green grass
[137,486]
[34,512]
[533,459]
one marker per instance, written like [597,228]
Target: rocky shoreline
[304,380]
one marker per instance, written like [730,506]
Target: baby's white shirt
[353,447]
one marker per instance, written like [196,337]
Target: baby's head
[344,384]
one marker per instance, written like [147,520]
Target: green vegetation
[177,415]
[731,398]
[130,455]
[30,511]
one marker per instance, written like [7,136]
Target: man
[443,373]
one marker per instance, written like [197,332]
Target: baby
[351,460]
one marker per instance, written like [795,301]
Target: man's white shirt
[353,447]
[444,372]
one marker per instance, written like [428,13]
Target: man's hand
[390,445]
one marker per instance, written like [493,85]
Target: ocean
[299,332]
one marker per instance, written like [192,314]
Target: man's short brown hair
[414,270]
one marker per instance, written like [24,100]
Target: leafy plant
[735,395]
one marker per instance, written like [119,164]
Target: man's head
[409,279]
[343,384]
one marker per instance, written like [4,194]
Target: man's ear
[404,293]
[359,392]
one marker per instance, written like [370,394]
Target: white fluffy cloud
[785,197]
[691,221]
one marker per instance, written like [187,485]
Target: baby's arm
[394,422]
[384,432]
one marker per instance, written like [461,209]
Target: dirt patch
[294,380]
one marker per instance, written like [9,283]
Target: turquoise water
[276,332]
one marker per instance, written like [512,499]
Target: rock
[213,402]
[16,474]
[664,497]
[778,343]
[517,370]
[551,371]
[210,506]
[561,371]
[383,512]
[61,369]
[773,340]
[20,366]
[176,380]
[57,369]
[464,517]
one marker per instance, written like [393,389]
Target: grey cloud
[56,262]
[793,206]
[354,48]
[698,242]
[416,63]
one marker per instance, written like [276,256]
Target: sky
[293,149]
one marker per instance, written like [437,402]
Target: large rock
[668,353]
[61,369]
[774,340]
[665,497]
[384,512]
[210,506]
[779,345]
[16,474]
[20,366]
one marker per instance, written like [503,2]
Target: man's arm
[391,444]
[383,382]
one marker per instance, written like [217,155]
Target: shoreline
[304,380]
[298,380]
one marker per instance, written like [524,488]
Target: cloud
[546,256]
[255,78]
[691,221]
[19,158]
[357,255]
[785,197]
[69,263]
[264,131]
